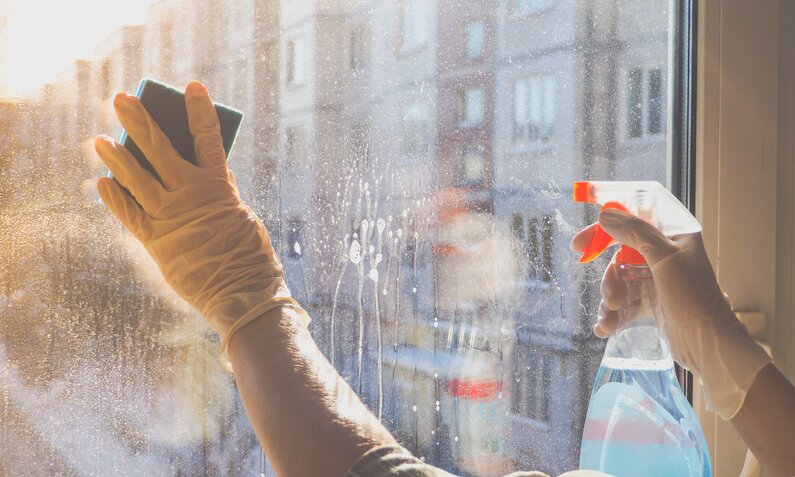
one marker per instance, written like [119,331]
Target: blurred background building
[413,160]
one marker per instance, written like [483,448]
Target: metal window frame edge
[682,120]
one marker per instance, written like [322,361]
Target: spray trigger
[602,240]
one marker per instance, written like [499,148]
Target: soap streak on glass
[413,161]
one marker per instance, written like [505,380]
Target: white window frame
[744,178]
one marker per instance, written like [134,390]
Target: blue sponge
[166,105]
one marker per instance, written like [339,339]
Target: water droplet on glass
[355,253]
[378,258]
[414,408]
[371,249]
[381,226]
[456,439]
[414,290]
[400,233]
[297,248]
[373,275]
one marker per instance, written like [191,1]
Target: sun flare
[41,38]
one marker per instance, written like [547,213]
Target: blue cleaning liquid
[640,424]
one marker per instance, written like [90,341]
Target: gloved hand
[211,248]
[705,335]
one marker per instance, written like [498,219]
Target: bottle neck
[642,340]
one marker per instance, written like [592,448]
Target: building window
[472,105]
[415,16]
[475,39]
[536,236]
[292,146]
[530,386]
[529,7]
[534,110]
[655,102]
[415,132]
[359,139]
[295,227]
[645,102]
[296,61]
[106,75]
[358,46]
[472,166]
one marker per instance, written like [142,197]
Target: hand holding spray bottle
[639,421]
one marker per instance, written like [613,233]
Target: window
[536,237]
[655,102]
[475,39]
[530,388]
[351,143]
[534,110]
[295,226]
[358,58]
[293,150]
[296,62]
[359,139]
[645,108]
[472,108]
[472,165]
[414,138]
[107,78]
[416,22]
[528,7]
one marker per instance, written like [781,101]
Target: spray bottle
[639,422]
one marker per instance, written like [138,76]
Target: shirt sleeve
[395,461]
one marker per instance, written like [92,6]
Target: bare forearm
[766,421]
[309,421]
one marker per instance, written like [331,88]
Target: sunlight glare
[43,37]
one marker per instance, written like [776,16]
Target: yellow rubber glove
[211,248]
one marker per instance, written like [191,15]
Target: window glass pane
[475,38]
[655,100]
[473,107]
[370,142]
[635,103]
[416,23]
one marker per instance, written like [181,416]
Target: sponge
[166,105]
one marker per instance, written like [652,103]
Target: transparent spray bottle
[639,422]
